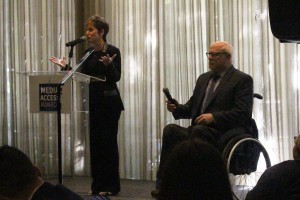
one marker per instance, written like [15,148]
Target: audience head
[195,170]
[100,24]
[17,174]
[220,56]
[296,149]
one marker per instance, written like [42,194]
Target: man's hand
[172,106]
[205,119]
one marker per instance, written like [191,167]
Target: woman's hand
[60,62]
[106,60]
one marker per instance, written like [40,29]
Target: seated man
[281,181]
[20,180]
[221,104]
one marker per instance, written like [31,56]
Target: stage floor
[130,189]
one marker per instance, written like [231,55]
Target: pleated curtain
[163,44]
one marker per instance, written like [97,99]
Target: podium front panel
[35,83]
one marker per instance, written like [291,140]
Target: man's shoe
[155,193]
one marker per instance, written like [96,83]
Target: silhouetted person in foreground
[21,180]
[195,170]
[281,181]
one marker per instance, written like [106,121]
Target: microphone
[77,41]
[258,96]
[168,95]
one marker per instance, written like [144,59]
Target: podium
[43,104]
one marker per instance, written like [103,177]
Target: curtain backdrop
[163,44]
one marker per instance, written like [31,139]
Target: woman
[105,106]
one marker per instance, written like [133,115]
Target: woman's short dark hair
[100,23]
[195,170]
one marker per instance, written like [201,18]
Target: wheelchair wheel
[246,160]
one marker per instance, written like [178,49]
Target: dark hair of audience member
[296,148]
[16,172]
[195,170]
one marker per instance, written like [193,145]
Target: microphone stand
[71,54]
[59,132]
[59,89]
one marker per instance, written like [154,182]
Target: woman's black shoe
[155,193]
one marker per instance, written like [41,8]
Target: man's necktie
[210,91]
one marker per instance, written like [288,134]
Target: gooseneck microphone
[77,41]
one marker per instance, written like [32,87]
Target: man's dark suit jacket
[54,192]
[231,105]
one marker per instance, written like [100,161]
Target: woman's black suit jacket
[101,90]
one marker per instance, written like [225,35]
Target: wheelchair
[246,159]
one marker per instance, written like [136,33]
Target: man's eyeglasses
[214,55]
